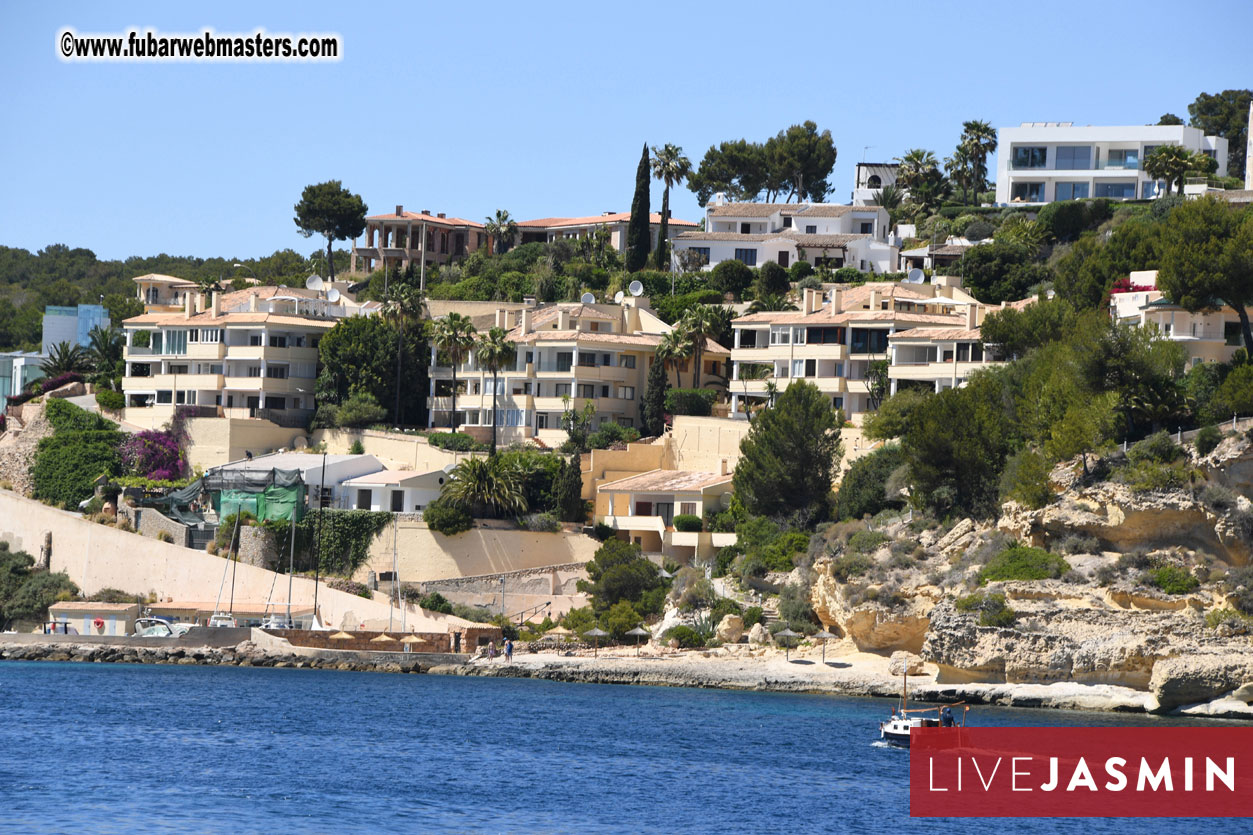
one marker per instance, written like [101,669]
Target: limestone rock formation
[1201,677]
[903,662]
[758,634]
[871,625]
[730,629]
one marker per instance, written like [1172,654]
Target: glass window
[627,360]
[867,228]
[1071,191]
[1027,193]
[275,403]
[626,392]
[564,360]
[165,397]
[748,257]
[787,222]
[798,336]
[587,390]
[587,360]
[1030,156]
[1123,158]
[811,229]
[175,342]
[811,368]
[276,372]
[1074,157]
[563,390]
[780,336]
[798,368]
[1149,189]
[1116,190]
[702,251]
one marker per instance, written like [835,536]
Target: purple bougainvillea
[154,455]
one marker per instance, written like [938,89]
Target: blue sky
[539,108]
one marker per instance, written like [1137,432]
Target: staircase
[770,611]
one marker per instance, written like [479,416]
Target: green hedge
[686,636]
[110,400]
[697,402]
[688,523]
[67,465]
[66,417]
[454,442]
[447,519]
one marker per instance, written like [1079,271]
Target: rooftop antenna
[863,151]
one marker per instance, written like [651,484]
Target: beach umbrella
[597,633]
[639,632]
[561,632]
[341,636]
[410,640]
[824,635]
[384,638]
[786,633]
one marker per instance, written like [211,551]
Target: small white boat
[220,620]
[159,628]
[897,730]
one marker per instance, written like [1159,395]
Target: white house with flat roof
[821,233]
[1039,162]
[398,491]
[641,508]
[328,471]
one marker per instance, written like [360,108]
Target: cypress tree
[653,406]
[568,490]
[638,238]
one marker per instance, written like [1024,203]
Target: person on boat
[946,717]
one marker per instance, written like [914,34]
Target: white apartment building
[1210,335]
[567,355]
[249,353]
[1039,162]
[870,178]
[831,342]
[820,233]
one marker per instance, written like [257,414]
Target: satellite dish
[314,283]
[618,297]
[725,500]
[636,288]
[915,276]
[282,287]
[332,295]
[587,298]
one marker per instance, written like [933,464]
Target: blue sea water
[107,748]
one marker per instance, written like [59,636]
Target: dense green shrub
[772,280]
[862,490]
[688,523]
[68,463]
[1026,479]
[866,542]
[696,402]
[453,441]
[619,571]
[359,409]
[356,448]
[753,615]
[722,607]
[849,566]
[350,586]
[1173,580]
[730,277]
[801,270]
[64,416]
[541,523]
[612,433]
[796,611]
[1207,439]
[435,602]
[1218,498]
[1022,562]
[685,636]
[110,400]
[725,556]
[621,619]
[1158,448]
[447,519]
[603,531]
[1078,544]
[992,609]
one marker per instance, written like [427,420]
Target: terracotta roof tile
[592,220]
[936,334]
[666,481]
[418,216]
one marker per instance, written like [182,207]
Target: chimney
[426,212]
[972,316]
[252,302]
[441,214]
[509,320]
[874,300]
[217,305]
[529,301]
[500,318]
[400,210]
[810,303]
[725,467]
[526,320]
[837,301]
[187,304]
[563,320]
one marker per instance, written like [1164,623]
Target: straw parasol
[597,633]
[639,632]
[786,633]
[341,636]
[824,635]
[383,638]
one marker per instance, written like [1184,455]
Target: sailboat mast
[291,566]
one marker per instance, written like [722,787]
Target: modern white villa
[1039,162]
[821,233]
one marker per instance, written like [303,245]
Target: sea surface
[105,748]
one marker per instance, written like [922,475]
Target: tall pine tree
[653,406]
[638,238]
[568,490]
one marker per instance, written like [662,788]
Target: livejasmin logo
[1081,772]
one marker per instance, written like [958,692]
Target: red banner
[1081,772]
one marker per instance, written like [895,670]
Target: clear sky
[540,108]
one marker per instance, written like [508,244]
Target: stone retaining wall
[149,521]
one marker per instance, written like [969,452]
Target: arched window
[874,181]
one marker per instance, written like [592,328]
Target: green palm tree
[503,229]
[674,347]
[454,335]
[104,351]
[960,168]
[486,486]
[700,322]
[915,166]
[494,352]
[770,304]
[402,306]
[672,168]
[66,358]
[979,140]
[752,372]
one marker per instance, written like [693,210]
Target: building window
[1071,191]
[798,336]
[1030,156]
[1118,191]
[1232,334]
[626,392]
[254,371]
[702,251]
[587,390]
[746,228]
[178,369]
[604,391]
[1149,190]
[825,336]
[254,340]
[798,368]
[398,501]
[787,222]
[587,360]
[565,359]
[165,397]
[811,229]
[780,336]
[1027,193]
[275,403]
[748,257]
[175,342]
[563,390]
[1074,157]
[1124,158]
[541,420]
[867,228]
[276,372]
[874,181]
[627,360]
[364,498]
[278,342]
[811,368]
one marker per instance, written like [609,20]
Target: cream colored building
[163,293]
[831,342]
[403,238]
[568,355]
[547,229]
[1209,335]
[247,354]
[93,618]
[641,508]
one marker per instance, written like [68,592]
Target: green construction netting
[267,494]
